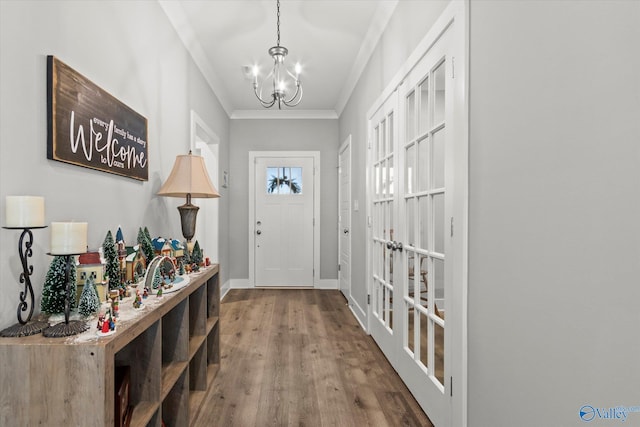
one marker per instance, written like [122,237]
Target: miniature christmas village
[117,276]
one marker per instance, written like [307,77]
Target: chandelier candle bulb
[24,211]
[68,238]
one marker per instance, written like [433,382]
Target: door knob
[346,231]
[258,232]
[390,245]
[399,246]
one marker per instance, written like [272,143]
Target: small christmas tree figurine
[196,256]
[157,279]
[181,268]
[55,287]
[159,294]
[113,265]
[145,244]
[89,303]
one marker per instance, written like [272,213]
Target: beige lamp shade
[189,176]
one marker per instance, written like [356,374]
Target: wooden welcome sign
[89,127]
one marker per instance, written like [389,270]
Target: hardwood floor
[299,358]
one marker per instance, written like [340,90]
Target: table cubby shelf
[171,348]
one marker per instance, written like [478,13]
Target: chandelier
[278,75]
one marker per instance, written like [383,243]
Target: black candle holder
[25,326]
[66,328]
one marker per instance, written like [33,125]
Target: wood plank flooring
[299,358]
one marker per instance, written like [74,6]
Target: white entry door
[344,218]
[283,221]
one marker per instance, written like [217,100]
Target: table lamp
[188,178]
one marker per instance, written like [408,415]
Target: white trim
[316,207]
[283,114]
[196,121]
[224,290]
[328,284]
[369,43]
[180,23]
[240,284]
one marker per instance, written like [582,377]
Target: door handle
[390,245]
[399,246]
[258,232]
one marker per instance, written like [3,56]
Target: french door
[412,195]
[384,214]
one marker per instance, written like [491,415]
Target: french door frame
[456,14]
[253,155]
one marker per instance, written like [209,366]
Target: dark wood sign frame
[88,127]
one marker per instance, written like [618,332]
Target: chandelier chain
[278,9]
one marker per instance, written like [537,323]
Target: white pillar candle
[68,238]
[24,211]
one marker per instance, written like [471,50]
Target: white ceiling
[332,39]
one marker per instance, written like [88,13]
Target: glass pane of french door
[424,216]
[383,221]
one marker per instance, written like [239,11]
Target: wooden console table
[171,346]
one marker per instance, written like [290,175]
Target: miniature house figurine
[136,264]
[168,247]
[91,265]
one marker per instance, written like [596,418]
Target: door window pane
[439,353]
[376,143]
[390,140]
[390,175]
[284,180]
[438,159]
[424,340]
[438,223]
[411,116]
[423,119]
[438,110]
[423,165]
[410,211]
[422,223]
[438,285]
[410,176]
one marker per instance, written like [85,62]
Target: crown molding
[185,32]
[377,27]
[283,114]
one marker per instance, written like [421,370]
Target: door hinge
[451,386]
[313,274]
[451,226]
[339,267]
[314,221]
[369,299]
[453,67]
[369,144]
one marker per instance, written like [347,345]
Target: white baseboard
[359,313]
[226,287]
[327,284]
[240,284]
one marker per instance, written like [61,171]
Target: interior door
[283,221]
[384,228]
[344,218]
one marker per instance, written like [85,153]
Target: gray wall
[409,24]
[130,50]
[554,239]
[283,135]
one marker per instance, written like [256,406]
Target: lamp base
[188,214]
[20,330]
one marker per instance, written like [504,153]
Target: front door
[283,221]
